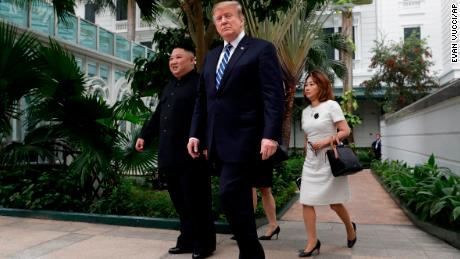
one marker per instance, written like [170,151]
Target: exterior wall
[395,15]
[429,126]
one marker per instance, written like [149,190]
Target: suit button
[165,130]
[165,117]
[172,93]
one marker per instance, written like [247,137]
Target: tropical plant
[402,72]
[318,56]
[432,193]
[19,72]
[353,120]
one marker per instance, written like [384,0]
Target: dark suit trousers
[236,198]
[189,187]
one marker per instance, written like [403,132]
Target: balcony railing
[122,26]
[41,18]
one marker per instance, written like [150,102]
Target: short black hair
[187,46]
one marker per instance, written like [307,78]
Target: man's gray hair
[236,4]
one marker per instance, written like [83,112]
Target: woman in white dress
[322,121]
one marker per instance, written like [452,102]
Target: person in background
[264,182]
[377,147]
[323,122]
[188,180]
[238,118]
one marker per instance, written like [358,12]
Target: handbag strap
[334,146]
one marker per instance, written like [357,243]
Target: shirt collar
[236,41]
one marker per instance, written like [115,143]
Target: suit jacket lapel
[239,50]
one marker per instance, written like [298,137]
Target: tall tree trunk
[195,20]
[347,30]
[131,20]
[288,107]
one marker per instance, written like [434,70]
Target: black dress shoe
[317,247]
[269,237]
[351,243]
[179,250]
[201,255]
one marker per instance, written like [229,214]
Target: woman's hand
[320,144]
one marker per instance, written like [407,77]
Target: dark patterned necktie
[223,64]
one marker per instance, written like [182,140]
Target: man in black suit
[238,118]
[377,146]
[188,180]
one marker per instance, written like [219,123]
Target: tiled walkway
[383,232]
[369,204]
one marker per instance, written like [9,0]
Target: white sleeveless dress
[319,186]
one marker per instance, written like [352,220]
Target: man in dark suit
[238,118]
[188,180]
[377,147]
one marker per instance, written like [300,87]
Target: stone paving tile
[7,220]
[93,229]
[443,255]
[369,204]
[54,225]
[102,247]
[50,246]
[14,239]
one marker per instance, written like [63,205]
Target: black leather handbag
[343,160]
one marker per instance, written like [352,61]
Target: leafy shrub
[40,187]
[430,192]
[131,199]
[365,156]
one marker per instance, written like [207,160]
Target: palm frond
[131,161]
[149,9]
[102,5]
[63,74]
[19,71]
[273,31]
[298,40]
[131,109]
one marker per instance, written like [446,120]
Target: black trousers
[189,186]
[236,198]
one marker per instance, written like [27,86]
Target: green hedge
[54,188]
[365,156]
[430,192]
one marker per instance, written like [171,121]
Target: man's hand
[139,145]
[268,148]
[192,147]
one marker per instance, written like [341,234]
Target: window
[148,44]
[352,38]
[330,51]
[90,14]
[408,31]
[121,10]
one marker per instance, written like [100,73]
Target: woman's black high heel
[351,243]
[269,237]
[308,254]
